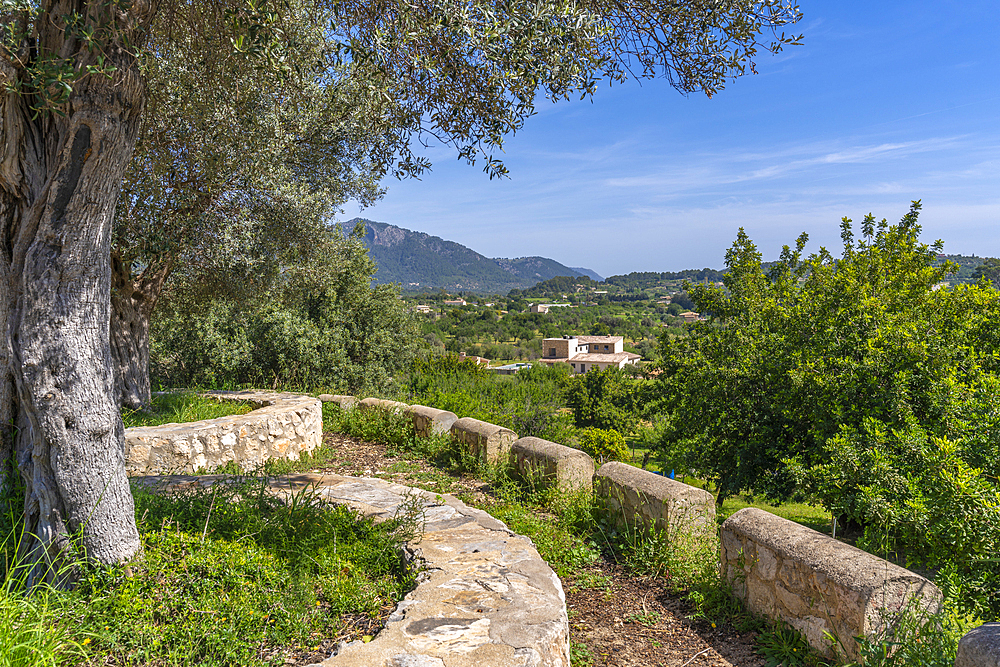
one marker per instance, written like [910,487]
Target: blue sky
[884,103]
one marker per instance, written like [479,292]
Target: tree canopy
[857,381]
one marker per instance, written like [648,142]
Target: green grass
[227,576]
[183,407]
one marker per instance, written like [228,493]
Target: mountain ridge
[418,261]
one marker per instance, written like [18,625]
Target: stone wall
[816,584]
[980,647]
[284,426]
[552,463]
[430,421]
[782,570]
[483,439]
[632,495]
[345,402]
[394,407]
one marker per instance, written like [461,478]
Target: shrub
[605,445]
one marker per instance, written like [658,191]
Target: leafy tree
[74,79]
[605,445]
[853,379]
[322,324]
[234,174]
[989,269]
[609,399]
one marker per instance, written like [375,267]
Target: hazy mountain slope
[588,272]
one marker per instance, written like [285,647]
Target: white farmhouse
[588,353]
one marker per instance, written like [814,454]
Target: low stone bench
[395,407]
[484,596]
[635,496]
[552,463]
[345,402]
[430,421]
[814,583]
[980,647]
[483,439]
[282,427]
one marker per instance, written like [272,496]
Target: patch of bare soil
[633,621]
[625,621]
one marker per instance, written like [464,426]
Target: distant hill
[587,272]
[420,261]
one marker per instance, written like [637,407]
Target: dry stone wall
[817,585]
[483,439]
[980,647]
[552,463]
[345,402]
[381,404]
[632,495]
[282,427]
[781,569]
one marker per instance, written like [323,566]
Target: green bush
[527,403]
[605,445]
[857,380]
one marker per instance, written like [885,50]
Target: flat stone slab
[484,596]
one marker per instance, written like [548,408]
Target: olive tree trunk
[132,304]
[60,175]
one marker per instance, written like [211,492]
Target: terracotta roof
[599,339]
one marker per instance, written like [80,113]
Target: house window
[605,348]
[583,368]
[552,351]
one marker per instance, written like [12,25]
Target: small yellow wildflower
[86,641]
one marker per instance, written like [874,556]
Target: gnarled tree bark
[60,174]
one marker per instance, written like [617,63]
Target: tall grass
[33,629]
[183,407]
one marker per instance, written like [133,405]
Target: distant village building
[423,309]
[482,361]
[689,317]
[544,307]
[588,353]
[456,302]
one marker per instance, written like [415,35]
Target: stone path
[484,596]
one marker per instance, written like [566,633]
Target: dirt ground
[629,621]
